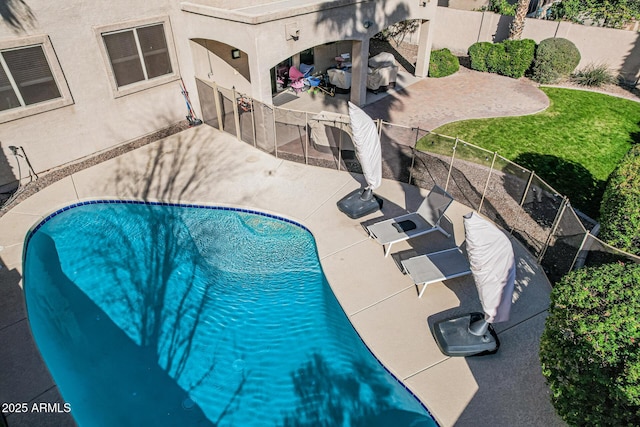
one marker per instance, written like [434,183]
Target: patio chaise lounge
[404,227]
[436,267]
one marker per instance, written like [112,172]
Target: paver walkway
[467,94]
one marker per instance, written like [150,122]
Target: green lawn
[573,145]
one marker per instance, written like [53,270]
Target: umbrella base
[454,339]
[354,207]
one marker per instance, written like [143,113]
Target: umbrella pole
[479,327]
[367,194]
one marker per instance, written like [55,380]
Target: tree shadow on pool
[94,355]
[148,316]
[360,397]
[144,329]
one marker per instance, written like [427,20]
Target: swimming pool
[158,314]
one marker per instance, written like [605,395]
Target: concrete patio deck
[505,389]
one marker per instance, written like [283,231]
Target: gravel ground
[47,178]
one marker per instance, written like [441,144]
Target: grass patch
[573,145]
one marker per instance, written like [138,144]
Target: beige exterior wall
[96,115]
[95,119]
[620,49]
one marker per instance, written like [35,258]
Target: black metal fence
[510,195]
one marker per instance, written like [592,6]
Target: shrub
[478,53]
[443,63]
[590,348]
[520,56]
[620,208]
[496,58]
[511,58]
[554,60]
[593,75]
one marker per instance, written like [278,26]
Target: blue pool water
[151,314]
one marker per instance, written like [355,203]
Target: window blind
[124,57]
[154,50]
[8,98]
[31,73]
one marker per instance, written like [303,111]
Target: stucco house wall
[266,37]
[94,119]
[94,115]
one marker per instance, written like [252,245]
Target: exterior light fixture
[235,53]
[367,24]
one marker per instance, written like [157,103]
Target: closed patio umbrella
[367,144]
[493,267]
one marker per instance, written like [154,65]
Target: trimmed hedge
[520,53]
[478,53]
[620,207]
[555,59]
[443,63]
[511,58]
[590,348]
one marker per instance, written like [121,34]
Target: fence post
[524,198]
[526,190]
[216,100]
[579,259]
[339,147]
[554,227]
[453,156]
[413,155]
[253,124]
[413,160]
[486,184]
[275,133]
[236,114]
[306,138]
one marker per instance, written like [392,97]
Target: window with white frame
[26,78]
[138,54]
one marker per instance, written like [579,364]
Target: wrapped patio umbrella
[493,267]
[367,144]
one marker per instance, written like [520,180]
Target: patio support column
[260,79]
[359,63]
[424,49]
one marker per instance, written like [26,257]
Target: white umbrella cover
[492,264]
[367,144]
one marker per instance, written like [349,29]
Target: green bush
[520,56]
[590,348]
[497,58]
[593,75]
[511,58]
[554,60]
[620,208]
[478,53]
[443,63]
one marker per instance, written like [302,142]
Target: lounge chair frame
[426,220]
[436,267]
